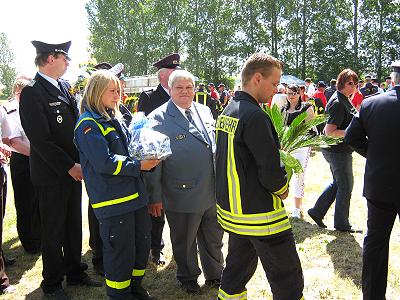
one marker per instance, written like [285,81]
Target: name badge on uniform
[52,104]
[180,137]
[59,119]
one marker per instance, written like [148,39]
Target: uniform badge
[59,119]
[52,104]
[87,129]
[180,137]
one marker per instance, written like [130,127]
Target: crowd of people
[224,174]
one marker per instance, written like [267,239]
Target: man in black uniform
[149,101]
[48,115]
[251,184]
[374,133]
[204,98]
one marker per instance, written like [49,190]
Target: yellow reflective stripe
[119,285]
[224,295]
[235,201]
[277,202]
[227,124]
[260,218]
[104,132]
[255,230]
[282,190]
[118,169]
[204,94]
[138,272]
[115,201]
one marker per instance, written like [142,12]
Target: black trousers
[4,282]
[95,241]
[61,220]
[126,246]
[157,227]
[26,203]
[381,217]
[280,261]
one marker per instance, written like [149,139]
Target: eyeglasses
[292,94]
[352,83]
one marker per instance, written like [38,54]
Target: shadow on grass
[346,256]
[161,282]
[303,229]
[345,252]
[24,261]
[78,292]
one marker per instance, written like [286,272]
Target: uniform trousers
[26,203]
[126,246]
[157,227]
[95,241]
[280,261]
[4,282]
[61,221]
[381,217]
[190,231]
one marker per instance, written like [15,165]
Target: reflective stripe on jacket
[113,179]
[250,176]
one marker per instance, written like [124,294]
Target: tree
[380,35]
[7,69]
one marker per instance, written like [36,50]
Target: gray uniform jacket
[185,181]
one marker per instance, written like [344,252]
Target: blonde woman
[115,187]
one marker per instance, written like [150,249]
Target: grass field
[331,260]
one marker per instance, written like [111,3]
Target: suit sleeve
[356,136]
[143,104]
[35,124]
[153,180]
[91,142]
[261,143]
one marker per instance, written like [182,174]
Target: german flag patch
[87,129]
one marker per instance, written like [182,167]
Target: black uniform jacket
[375,134]
[150,100]
[250,176]
[48,117]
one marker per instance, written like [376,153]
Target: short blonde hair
[94,90]
[259,63]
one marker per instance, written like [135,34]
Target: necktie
[188,114]
[60,86]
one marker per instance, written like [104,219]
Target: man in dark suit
[374,133]
[184,184]
[48,115]
[149,101]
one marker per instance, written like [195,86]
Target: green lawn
[331,260]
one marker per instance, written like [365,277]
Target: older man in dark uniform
[48,115]
[149,101]
[374,133]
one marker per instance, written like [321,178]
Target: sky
[48,21]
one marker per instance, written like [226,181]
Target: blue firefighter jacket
[112,178]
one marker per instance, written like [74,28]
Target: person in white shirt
[310,88]
[5,152]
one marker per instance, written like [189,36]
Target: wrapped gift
[146,143]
